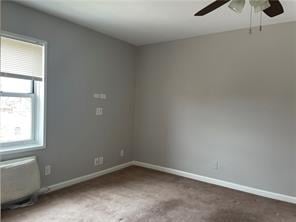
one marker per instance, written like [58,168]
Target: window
[22,93]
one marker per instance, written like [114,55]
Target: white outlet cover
[121,153]
[47,170]
[99,111]
[101,160]
[96,161]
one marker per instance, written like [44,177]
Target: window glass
[13,85]
[15,119]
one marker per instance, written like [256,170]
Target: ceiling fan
[271,8]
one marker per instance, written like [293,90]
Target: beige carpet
[137,194]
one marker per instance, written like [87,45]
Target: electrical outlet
[122,153]
[99,111]
[96,161]
[101,160]
[47,170]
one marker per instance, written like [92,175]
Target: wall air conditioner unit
[20,179]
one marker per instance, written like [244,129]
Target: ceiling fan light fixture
[237,5]
[260,5]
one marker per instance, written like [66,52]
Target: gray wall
[80,62]
[294,59]
[226,97]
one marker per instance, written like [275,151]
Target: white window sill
[20,148]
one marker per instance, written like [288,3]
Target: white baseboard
[234,186]
[77,180]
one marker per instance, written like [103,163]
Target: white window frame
[38,141]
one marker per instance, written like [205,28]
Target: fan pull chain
[260,28]
[251,25]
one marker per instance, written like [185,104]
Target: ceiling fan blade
[275,8]
[211,7]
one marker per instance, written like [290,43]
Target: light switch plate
[96,96]
[100,96]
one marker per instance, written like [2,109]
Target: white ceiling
[143,22]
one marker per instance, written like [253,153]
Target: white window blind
[21,59]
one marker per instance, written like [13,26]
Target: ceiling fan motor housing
[260,5]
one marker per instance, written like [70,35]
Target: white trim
[234,186]
[77,180]
[21,148]
[44,91]
[19,76]
[24,38]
